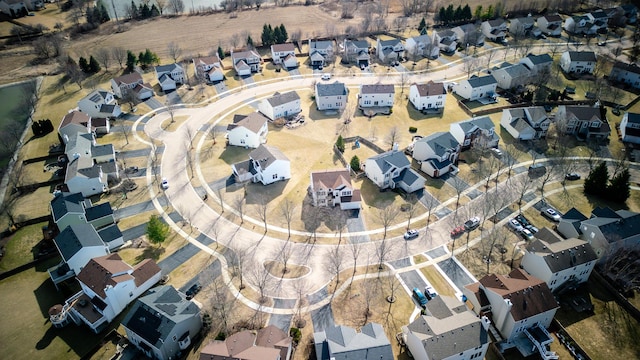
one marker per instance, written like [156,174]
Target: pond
[12,109]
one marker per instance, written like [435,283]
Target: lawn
[437,281]
[21,245]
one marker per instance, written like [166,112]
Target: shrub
[413,129]
[296,334]
[340,144]
[355,163]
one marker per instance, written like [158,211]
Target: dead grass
[439,283]
[419,259]
[21,247]
[133,255]
[171,126]
[277,269]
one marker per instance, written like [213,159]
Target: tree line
[271,36]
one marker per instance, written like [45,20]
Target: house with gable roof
[607,230]
[550,24]
[628,74]
[333,187]
[163,323]
[447,331]
[280,105]
[538,64]
[389,50]
[583,121]
[248,130]
[375,95]
[523,27]
[580,25]
[356,52]
[320,52]
[437,153]
[599,19]
[581,62]
[132,82]
[266,164]
[90,165]
[447,41]
[476,87]
[569,224]
[526,123]
[512,76]
[470,34]
[494,30]
[341,342]
[169,76]
[14,8]
[521,306]
[73,123]
[429,96]
[478,131]
[421,46]
[284,54]
[100,104]
[108,285]
[392,169]
[209,68]
[73,208]
[630,128]
[268,343]
[245,62]
[332,96]
[562,265]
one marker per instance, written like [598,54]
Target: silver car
[551,214]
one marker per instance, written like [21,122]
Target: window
[175,338]
[275,176]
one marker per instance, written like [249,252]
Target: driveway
[322,318]
[459,277]
[178,258]
[402,263]
[153,103]
[413,280]
[124,212]
[295,72]
[356,224]
[221,89]
[282,322]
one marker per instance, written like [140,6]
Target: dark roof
[574,214]
[482,81]
[430,89]
[65,203]
[624,225]
[107,108]
[547,235]
[74,117]
[582,56]
[563,255]
[161,69]
[389,159]
[342,342]
[584,113]
[605,212]
[98,211]
[553,18]
[408,176]
[279,99]
[283,47]
[377,89]
[633,118]
[75,237]
[437,164]
[132,78]
[266,155]
[360,44]
[441,142]
[539,59]
[335,89]
[104,271]
[110,233]
[496,22]
[632,68]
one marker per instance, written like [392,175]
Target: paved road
[282,322]
[137,208]
[356,224]
[136,153]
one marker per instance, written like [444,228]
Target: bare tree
[410,207]
[220,194]
[234,40]
[383,248]
[119,55]
[393,137]
[469,65]
[522,185]
[162,4]
[176,6]
[261,279]
[392,285]
[284,253]
[302,288]
[339,221]
[334,264]
[355,252]
[238,205]
[287,210]
[459,185]
[174,51]
[221,303]
[262,210]
[387,214]
[103,55]
[430,203]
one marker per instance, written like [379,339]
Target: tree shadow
[234,154]
[256,192]
[151,252]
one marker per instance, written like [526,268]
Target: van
[326,76]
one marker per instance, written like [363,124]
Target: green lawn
[19,249]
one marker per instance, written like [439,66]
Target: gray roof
[431,89]
[110,233]
[391,159]
[75,237]
[252,122]
[539,59]
[335,89]
[584,113]
[98,211]
[483,122]
[279,99]
[446,33]
[377,89]
[632,68]
[633,118]
[496,22]
[322,45]
[102,150]
[582,56]
[425,39]
[440,142]
[64,203]
[342,342]
[563,255]
[515,71]
[448,329]
[392,42]
[574,214]
[162,69]
[360,44]
[553,18]
[529,20]
[482,81]
[266,155]
[624,226]
[408,176]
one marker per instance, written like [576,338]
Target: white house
[268,343]
[521,306]
[376,95]
[333,187]
[389,50]
[523,27]
[392,169]
[280,105]
[72,208]
[448,331]
[100,104]
[446,40]
[476,87]
[607,230]
[526,123]
[108,285]
[89,165]
[356,52]
[320,52]
[331,96]
[512,76]
[494,30]
[73,123]
[538,64]
[600,20]
[580,24]
[582,62]
[283,54]
[583,121]
[245,62]
[630,128]
[550,24]
[421,46]
[266,164]
[131,82]
[342,342]
[162,323]
[469,34]
[248,130]
[209,68]
[429,96]
[478,131]
[169,76]
[562,265]
[625,73]
[437,153]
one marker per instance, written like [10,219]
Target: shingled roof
[563,255]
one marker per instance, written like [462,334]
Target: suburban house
[331,96]
[526,123]
[108,285]
[538,64]
[284,54]
[100,104]
[392,169]
[581,62]
[376,95]
[580,25]
[266,164]
[342,342]
[599,19]
[356,52]
[280,105]
[562,265]
[248,131]
[630,128]
[162,323]
[77,244]
[494,30]
[476,87]
[14,8]
[90,165]
[447,331]
[389,50]
[320,52]
[469,34]
[550,24]
[132,82]
[583,121]
[269,343]
[73,208]
[569,225]
[169,76]
[521,308]
[630,12]
[437,153]
[429,96]
[446,40]
[208,68]
[333,187]
[628,74]
[512,76]
[523,27]
[421,46]
[75,122]
[478,131]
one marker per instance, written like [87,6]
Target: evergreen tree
[157,231]
[104,14]
[422,25]
[449,13]
[94,66]
[466,12]
[84,65]
[131,60]
[355,163]
[457,14]
[220,53]
[340,144]
[477,14]
[442,15]
[145,12]
[619,190]
[134,10]
[597,181]
[283,34]
[249,41]
[154,11]
[277,36]
[267,34]
[141,60]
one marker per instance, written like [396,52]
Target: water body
[12,110]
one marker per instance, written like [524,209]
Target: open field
[20,247]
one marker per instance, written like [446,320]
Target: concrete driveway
[153,103]
[322,318]
[221,88]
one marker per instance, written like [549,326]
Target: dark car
[572,176]
[472,223]
[419,296]
[523,220]
[193,290]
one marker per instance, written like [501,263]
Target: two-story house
[392,169]
[248,131]
[14,8]
[269,343]
[512,76]
[376,95]
[389,50]
[356,52]
[562,265]
[280,105]
[495,30]
[437,153]
[162,323]
[607,230]
[600,20]
[447,41]
[581,62]
[90,165]
[469,35]
[421,46]
[332,96]
[285,55]
[208,68]
[523,27]
[132,82]
[628,74]
[330,188]
[478,131]
[447,331]
[73,208]
[550,24]
[526,123]
[169,76]
[74,123]
[100,104]
[245,62]
[521,306]
[266,164]
[476,87]
[580,25]
[342,342]
[569,224]
[428,97]
[320,53]
[630,128]
[586,122]
[538,64]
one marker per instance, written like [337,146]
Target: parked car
[457,231]
[616,111]
[602,43]
[526,234]
[551,214]
[472,223]
[410,234]
[430,292]
[496,152]
[537,169]
[522,220]
[164,184]
[572,176]
[532,228]
[419,296]
[515,225]
[193,290]
[326,76]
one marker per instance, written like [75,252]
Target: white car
[551,214]
[527,235]
[164,184]
[472,223]
[515,225]
[326,76]
[497,152]
[410,234]
[430,292]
